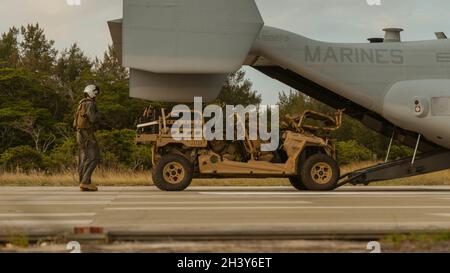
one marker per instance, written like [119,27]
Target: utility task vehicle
[306,154]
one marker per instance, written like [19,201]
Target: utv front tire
[320,172]
[173,173]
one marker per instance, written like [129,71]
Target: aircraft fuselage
[408,83]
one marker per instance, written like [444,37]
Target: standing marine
[86,124]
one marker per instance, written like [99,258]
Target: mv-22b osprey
[178,49]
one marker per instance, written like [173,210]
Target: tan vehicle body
[211,163]
[298,137]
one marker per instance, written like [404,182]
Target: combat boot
[88,187]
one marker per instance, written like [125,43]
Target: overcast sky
[326,20]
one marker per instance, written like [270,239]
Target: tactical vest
[81,120]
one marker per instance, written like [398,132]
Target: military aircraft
[178,49]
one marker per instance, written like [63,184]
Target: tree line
[40,88]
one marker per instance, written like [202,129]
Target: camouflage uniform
[86,123]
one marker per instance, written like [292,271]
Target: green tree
[351,151]
[39,91]
[109,69]
[38,54]
[9,49]
[294,102]
[400,151]
[119,111]
[35,122]
[118,147]
[22,158]
[64,156]
[238,91]
[352,133]
[22,85]
[28,110]
[72,69]
[119,150]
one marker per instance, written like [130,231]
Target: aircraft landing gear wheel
[320,173]
[297,183]
[173,173]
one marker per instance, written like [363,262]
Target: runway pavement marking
[51,202]
[440,214]
[55,203]
[21,223]
[105,197]
[211,203]
[54,199]
[56,193]
[273,208]
[174,196]
[193,194]
[327,193]
[52,215]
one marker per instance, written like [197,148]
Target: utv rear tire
[320,172]
[297,183]
[173,173]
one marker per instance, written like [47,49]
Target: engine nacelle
[189,36]
[181,49]
[175,87]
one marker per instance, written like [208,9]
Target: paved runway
[226,210]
